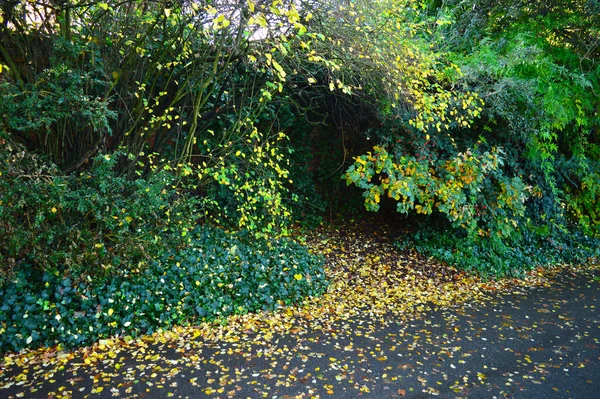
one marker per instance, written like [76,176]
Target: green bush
[96,255]
[537,245]
[62,110]
[214,276]
[94,224]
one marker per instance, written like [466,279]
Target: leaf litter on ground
[372,283]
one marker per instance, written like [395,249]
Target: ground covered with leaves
[391,324]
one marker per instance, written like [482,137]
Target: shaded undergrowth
[513,256]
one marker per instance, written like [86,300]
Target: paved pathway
[533,343]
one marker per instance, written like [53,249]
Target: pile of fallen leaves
[367,275]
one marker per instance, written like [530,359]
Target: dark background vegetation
[154,155]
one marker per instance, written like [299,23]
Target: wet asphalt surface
[531,343]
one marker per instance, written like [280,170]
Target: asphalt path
[531,343]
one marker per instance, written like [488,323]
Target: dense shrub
[62,109]
[536,68]
[537,245]
[529,80]
[471,188]
[97,223]
[94,255]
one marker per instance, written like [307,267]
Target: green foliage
[582,192]
[213,276]
[96,255]
[183,81]
[538,245]
[518,81]
[97,224]
[533,86]
[247,180]
[536,67]
[60,110]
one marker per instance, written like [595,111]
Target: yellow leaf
[298,277]
[167,12]
[110,312]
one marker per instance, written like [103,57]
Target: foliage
[251,176]
[536,246]
[468,189]
[182,82]
[98,224]
[519,80]
[150,65]
[379,56]
[59,111]
[423,98]
[533,85]
[536,68]
[582,197]
[213,276]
